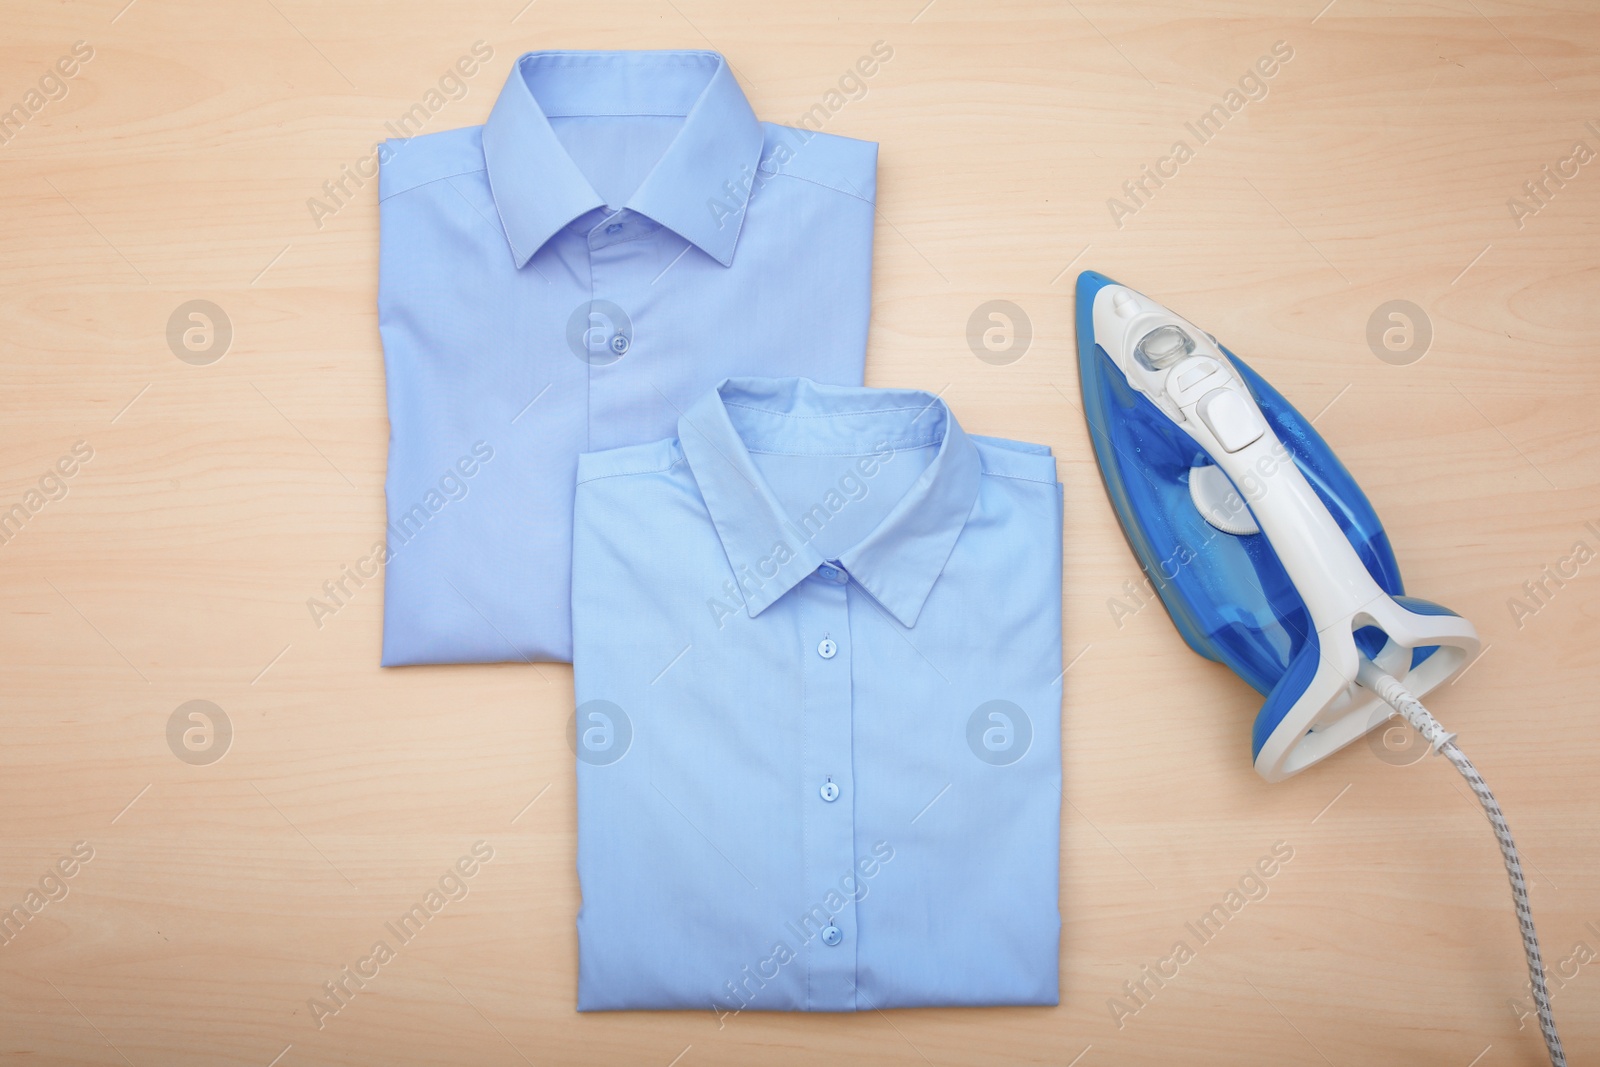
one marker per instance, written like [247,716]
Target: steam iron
[1267,555]
[1261,546]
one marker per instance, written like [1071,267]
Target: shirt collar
[899,561]
[698,188]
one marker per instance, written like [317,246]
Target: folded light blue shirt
[818,672]
[620,235]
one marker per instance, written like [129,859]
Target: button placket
[614,254]
[627,253]
[829,915]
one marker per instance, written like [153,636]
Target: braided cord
[1421,720]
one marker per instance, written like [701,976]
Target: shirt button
[827,650]
[827,573]
[829,791]
[619,343]
[832,935]
[615,227]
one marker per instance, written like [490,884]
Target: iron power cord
[1411,709]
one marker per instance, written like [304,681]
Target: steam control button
[1195,372]
[1231,417]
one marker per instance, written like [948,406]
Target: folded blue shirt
[621,234]
[817,644]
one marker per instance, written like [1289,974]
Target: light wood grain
[220,898]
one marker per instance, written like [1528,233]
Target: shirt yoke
[842,164]
[1004,458]
[428,157]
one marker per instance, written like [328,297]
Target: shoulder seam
[429,181]
[1020,478]
[627,473]
[823,185]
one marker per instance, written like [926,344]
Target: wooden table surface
[218,480]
